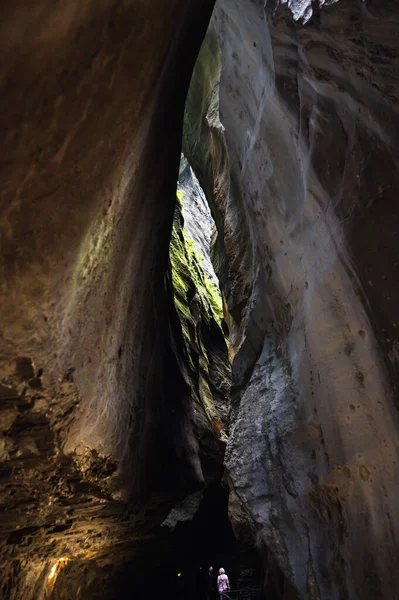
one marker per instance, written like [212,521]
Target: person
[211,584]
[223,584]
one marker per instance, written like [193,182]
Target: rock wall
[292,131]
[202,357]
[199,305]
[97,431]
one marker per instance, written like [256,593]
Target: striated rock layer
[293,133]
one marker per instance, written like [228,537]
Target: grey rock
[184,511]
[197,217]
[305,168]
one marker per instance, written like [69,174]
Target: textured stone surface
[293,134]
[198,220]
[200,310]
[97,431]
[292,131]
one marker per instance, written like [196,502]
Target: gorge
[148,426]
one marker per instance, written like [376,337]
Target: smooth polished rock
[301,129]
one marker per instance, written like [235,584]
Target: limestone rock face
[97,430]
[198,220]
[110,397]
[293,132]
[199,304]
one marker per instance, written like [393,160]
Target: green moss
[207,399]
[199,307]
[208,290]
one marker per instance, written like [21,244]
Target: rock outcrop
[292,131]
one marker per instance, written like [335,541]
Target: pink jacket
[223,583]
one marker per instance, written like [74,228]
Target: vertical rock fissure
[199,303]
[234,258]
[204,358]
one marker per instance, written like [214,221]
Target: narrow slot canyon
[199,351]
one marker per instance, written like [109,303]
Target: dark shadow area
[169,564]
[175,564]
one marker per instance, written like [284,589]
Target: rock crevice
[114,393]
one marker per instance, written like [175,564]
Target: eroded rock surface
[98,432]
[199,306]
[198,220]
[293,133]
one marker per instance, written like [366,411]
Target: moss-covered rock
[199,306]
[205,146]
